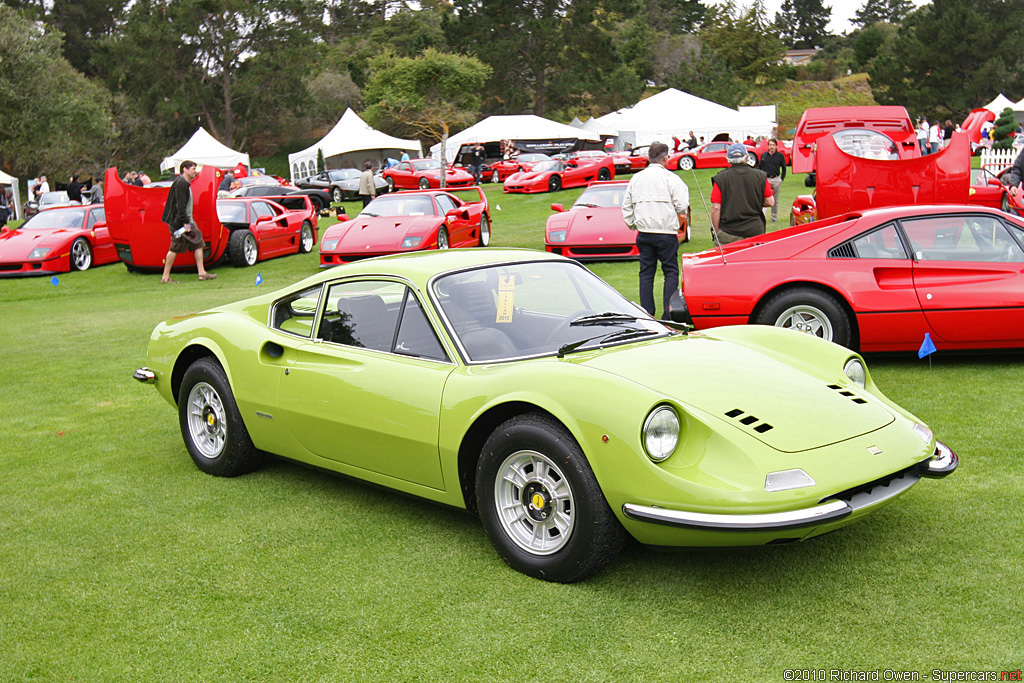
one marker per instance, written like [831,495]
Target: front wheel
[751,159]
[495,178]
[540,502]
[306,238]
[337,195]
[810,311]
[81,254]
[485,231]
[424,184]
[391,184]
[442,238]
[554,184]
[685,163]
[242,248]
[211,425]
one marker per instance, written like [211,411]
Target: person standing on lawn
[185,236]
[773,163]
[737,197]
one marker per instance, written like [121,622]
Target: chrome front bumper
[942,463]
[145,375]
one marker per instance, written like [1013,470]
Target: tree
[689,64]
[55,119]
[1005,130]
[888,11]
[428,96]
[802,24]
[741,37]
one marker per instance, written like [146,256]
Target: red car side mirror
[995,182]
[342,217]
[557,207]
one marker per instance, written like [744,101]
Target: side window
[405,166]
[445,202]
[363,313]
[415,335]
[262,210]
[970,238]
[295,313]
[95,216]
[881,243]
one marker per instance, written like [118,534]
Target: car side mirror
[557,207]
[995,182]
[342,216]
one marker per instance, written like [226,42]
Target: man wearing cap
[655,205]
[737,196]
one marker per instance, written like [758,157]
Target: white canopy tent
[1001,102]
[512,127]
[673,113]
[593,126]
[347,145]
[16,189]
[204,149]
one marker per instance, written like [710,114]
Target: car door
[986,189]
[103,246]
[456,218]
[968,276]
[271,226]
[713,155]
[403,175]
[366,390]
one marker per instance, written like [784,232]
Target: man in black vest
[737,197]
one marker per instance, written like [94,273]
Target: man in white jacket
[655,206]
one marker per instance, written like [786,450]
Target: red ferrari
[552,176]
[408,221]
[261,228]
[500,170]
[424,174]
[875,280]
[709,155]
[57,241]
[593,227]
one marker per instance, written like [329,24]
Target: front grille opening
[848,494]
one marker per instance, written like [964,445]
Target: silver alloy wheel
[249,249]
[685,163]
[442,239]
[391,184]
[207,420]
[424,184]
[485,231]
[807,319]
[81,255]
[337,195]
[751,159]
[495,178]
[534,503]
[306,238]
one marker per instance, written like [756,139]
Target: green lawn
[120,561]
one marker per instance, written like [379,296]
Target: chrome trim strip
[943,463]
[793,519]
[144,375]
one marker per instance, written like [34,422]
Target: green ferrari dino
[519,385]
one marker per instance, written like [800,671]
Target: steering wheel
[564,326]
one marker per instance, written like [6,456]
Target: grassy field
[120,561]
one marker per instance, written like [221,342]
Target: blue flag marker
[54,281]
[259,279]
[927,346]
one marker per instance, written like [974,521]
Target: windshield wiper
[371,215]
[621,335]
[607,318]
[592,206]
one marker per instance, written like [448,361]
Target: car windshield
[866,144]
[231,212]
[258,180]
[54,199]
[533,158]
[344,174]
[55,218]
[522,310]
[601,196]
[400,205]
[426,164]
[552,165]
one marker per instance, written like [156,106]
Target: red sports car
[593,228]
[261,228]
[500,170]
[631,161]
[891,121]
[709,155]
[552,176]
[423,174]
[57,241]
[408,221]
[875,281]
[760,148]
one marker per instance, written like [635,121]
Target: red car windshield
[601,197]
[400,205]
[426,165]
[552,165]
[54,219]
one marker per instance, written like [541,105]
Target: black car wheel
[424,184]
[81,254]
[540,502]
[811,311]
[554,184]
[211,425]
[604,174]
[242,248]
[306,238]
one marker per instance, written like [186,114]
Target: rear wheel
[554,184]
[810,311]
[485,230]
[751,159]
[306,238]
[211,425]
[540,502]
[242,248]
[337,195]
[495,178]
[685,163]
[81,254]
[604,174]
[424,184]
[391,184]
[442,238]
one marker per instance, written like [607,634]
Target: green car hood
[786,408]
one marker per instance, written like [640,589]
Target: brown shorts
[190,241]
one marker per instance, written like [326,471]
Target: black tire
[604,174]
[80,255]
[424,184]
[442,239]
[554,183]
[485,231]
[337,195]
[243,251]
[580,534]
[813,311]
[306,240]
[213,430]
[1005,203]
[685,164]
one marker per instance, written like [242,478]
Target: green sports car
[519,385]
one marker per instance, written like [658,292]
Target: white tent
[204,149]
[521,127]
[593,126]
[347,145]
[673,113]
[13,182]
[1000,103]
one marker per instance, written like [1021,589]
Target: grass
[120,561]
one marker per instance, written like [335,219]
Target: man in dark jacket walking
[185,236]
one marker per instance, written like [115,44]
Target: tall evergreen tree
[803,24]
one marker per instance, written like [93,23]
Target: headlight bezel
[655,421]
[855,371]
[557,235]
[39,252]
[329,245]
[411,242]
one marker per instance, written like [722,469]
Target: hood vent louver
[748,420]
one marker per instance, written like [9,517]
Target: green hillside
[793,97]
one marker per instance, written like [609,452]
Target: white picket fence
[998,158]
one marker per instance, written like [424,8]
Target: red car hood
[528,176]
[16,245]
[381,233]
[594,225]
[450,174]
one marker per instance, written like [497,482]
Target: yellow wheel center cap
[211,420]
[537,501]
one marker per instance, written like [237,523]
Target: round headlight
[854,369]
[661,433]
